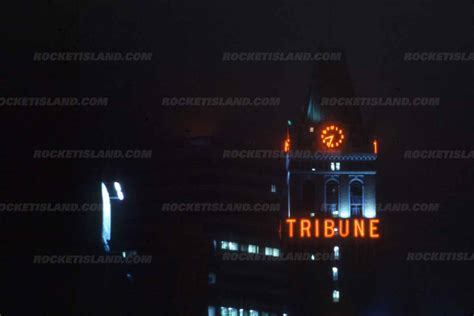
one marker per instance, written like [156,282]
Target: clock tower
[335,181]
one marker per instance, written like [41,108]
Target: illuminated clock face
[332,137]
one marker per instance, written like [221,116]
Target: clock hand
[330,139]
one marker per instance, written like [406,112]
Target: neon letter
[328,226]
[344,232]
[373,228]
[290,222]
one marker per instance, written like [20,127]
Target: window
[311,129]
[224,311]
[233,246]
[309,195]
[335,166]
[254,313]
[211,278]
[228,311]
[332,196]
[336,253]
[224,245]
[211,311]
[356,199]
[229,245]
[253,249]
[335,296]
[276,252]
[334,273]
[273,188]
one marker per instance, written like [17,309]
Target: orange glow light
[376,149]
[373,228]
[332,136]
[290,222]
[286,146]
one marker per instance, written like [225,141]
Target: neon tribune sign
[304,228]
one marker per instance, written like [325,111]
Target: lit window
[276,252]
[356,198]
[335,166]
[311,129]
[336,253]
[332,196]
[241,312]
[233,246]
[232,311]
[211,311]
[312,257]
[224,311]
[338,166]
[334,273]
[268,251]
[253,313]
[253,249]
[211,278]
[311,214]
[335,296]
[224,245]
[273,188]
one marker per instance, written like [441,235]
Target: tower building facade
[330,178]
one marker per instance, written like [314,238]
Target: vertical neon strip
[106,217]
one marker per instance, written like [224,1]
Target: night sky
[187,39]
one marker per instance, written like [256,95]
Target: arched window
[356,196]
[332,196]
[308,195]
